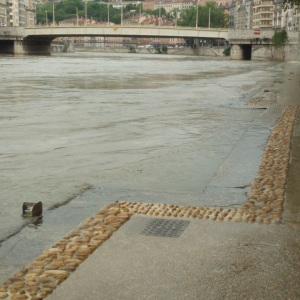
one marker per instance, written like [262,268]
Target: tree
[164,49]
[155,12]
[209,11]
[280,38]
[67,9]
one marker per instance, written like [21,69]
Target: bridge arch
[241,52]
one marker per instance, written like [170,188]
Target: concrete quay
[166,251]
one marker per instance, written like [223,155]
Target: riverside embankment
[202,51]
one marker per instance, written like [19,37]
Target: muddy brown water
[82,130]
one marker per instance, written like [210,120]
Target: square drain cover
[165,228]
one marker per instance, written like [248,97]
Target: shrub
[226,51]
[280,38]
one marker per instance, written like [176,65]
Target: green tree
[155,12]
[226,51]
[209,14]
[67,9]
[280,38]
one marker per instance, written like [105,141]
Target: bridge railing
[133,30]
[128,26]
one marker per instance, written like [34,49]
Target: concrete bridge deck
[115,30]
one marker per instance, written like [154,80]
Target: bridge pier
[241,52]
[196,46]
[26,47]
[30,47]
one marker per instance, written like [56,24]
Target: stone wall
[287,53]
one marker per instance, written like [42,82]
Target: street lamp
[176,12]
[53,20]
[121,13]
[209,18]
[77,16]
[140,20]
[107,14]
[159,13]
[85,12]
[46,18]
[197,14]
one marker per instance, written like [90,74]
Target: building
[22,13]
[167,5]
[263,14]
[148,5]
[13,10]
[277,11]
[184,4]
[17,13]
[3,13]
[231,23]
[240,14]
[249,15]
[30,13]
[297,18]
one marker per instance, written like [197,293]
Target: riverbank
[203,51]
[237,258]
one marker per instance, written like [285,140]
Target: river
[82,130]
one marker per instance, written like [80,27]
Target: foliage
[290,3]
[157,49]
[161,49]
[190,42]
[155,12]
[217,16]
[131,49]
[67,9]
[164,49]
[226,51]
[280,38]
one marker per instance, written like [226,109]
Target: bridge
[37,40]
[125,31]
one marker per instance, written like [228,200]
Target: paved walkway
[210,260]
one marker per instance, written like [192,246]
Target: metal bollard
[32,209]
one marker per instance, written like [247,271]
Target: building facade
[30,12]
[3,13]
[263,14]
[17,13]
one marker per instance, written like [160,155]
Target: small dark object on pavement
[32,209]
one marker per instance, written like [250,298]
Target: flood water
[82,130]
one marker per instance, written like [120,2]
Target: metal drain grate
[165,228]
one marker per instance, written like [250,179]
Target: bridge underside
[26,47]
[7,46]
[241,52]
